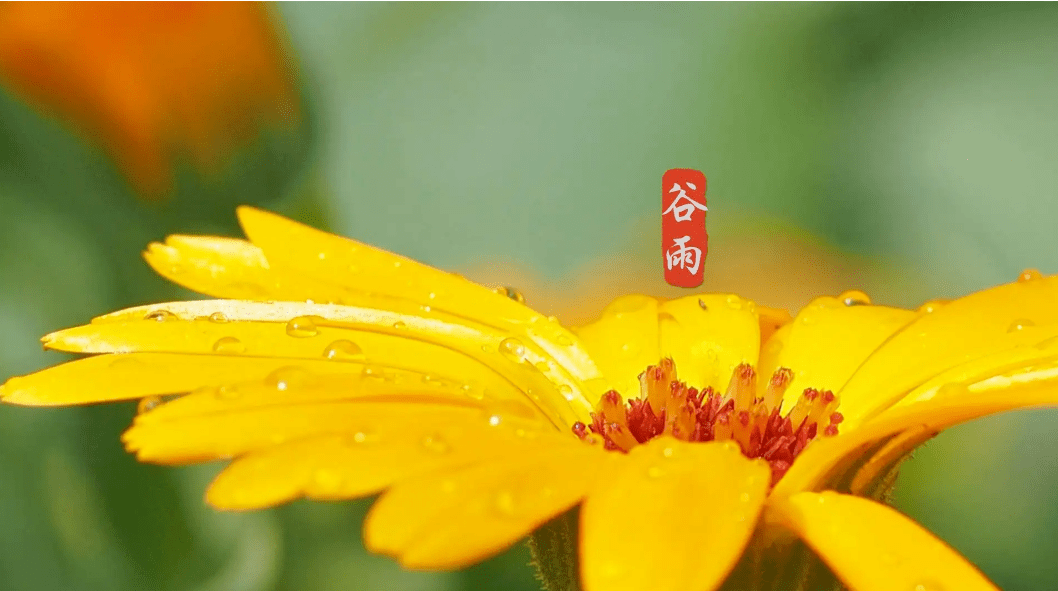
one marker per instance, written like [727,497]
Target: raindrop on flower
[931,306]
[218,317]
[511,293]
[160,316]
[566,391]
[435,444]
[734,302]
[854,298]
[227,393]
[668,451]
[563,339]
[285,378]
[1020,324]
[148,404]
[229,345]
[399,325]
[302,327]
[343,350]
[1029,275]
[512,349]
[495,420]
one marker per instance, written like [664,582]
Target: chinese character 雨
[683,211]
[684,257]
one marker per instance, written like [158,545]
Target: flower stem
[554,550]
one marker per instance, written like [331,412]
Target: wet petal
[961,331]
[871,547]
[256,338]
[672,516]
[450,519]
[953,404]
[623,342]
[358,463]
[708,336]
[827,342]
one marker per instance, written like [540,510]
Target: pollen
[755,420]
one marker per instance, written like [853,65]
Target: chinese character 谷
[683,211]
[684,257]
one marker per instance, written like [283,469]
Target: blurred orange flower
[151,81]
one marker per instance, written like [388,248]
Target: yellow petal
[969,328]
[672,516]
[623,342]
[359,463]
[451,519]
[231,268]
[485,361]
[1022,387]
[771,320]
[246,418]
[871,547]
[827,342]
[708,336]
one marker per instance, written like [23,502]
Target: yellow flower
[334,370]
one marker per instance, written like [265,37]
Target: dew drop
[655,472]
[286,378]
[511,293]
[744,497]
[734,302]
[1029,275]
[302,327]
[399,325]
[495,420]
[229,345]
[854,298]
[505,503]
[668,452]
[227,393]
[343,350]
[218,317]
[512,349]
[488,348]
[931,306]
[566,391]
[471,391]
[563,339]
[148,404]
[630,349]
[160,316]
[927,586]
[435,444]
[1020,324]
[359,437]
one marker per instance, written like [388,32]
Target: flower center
[667,406]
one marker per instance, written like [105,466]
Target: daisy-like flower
[707,441]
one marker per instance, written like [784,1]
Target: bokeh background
[904,149]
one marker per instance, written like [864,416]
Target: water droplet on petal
[1029,275]
[511,293]
[854,298]
[495,420]
[285,378]
[359,437]
[160,316]
[302,327]
[488,348]
[563,339]
[542,366]
[400,325]
[343,350]
[229,345]
[744,497]
[227,393]
[927,586]
[931,306]
[148,404]
[566,391]
[512,349]
[668,452]
[1020,324]
[435,444]
[734,302]
[218,317]
[655,472]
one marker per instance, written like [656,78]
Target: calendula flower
[154,82]
[707,441]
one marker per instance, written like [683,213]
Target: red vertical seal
[684,243]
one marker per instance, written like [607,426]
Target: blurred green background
[904,149]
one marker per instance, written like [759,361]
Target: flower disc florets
[667,406]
